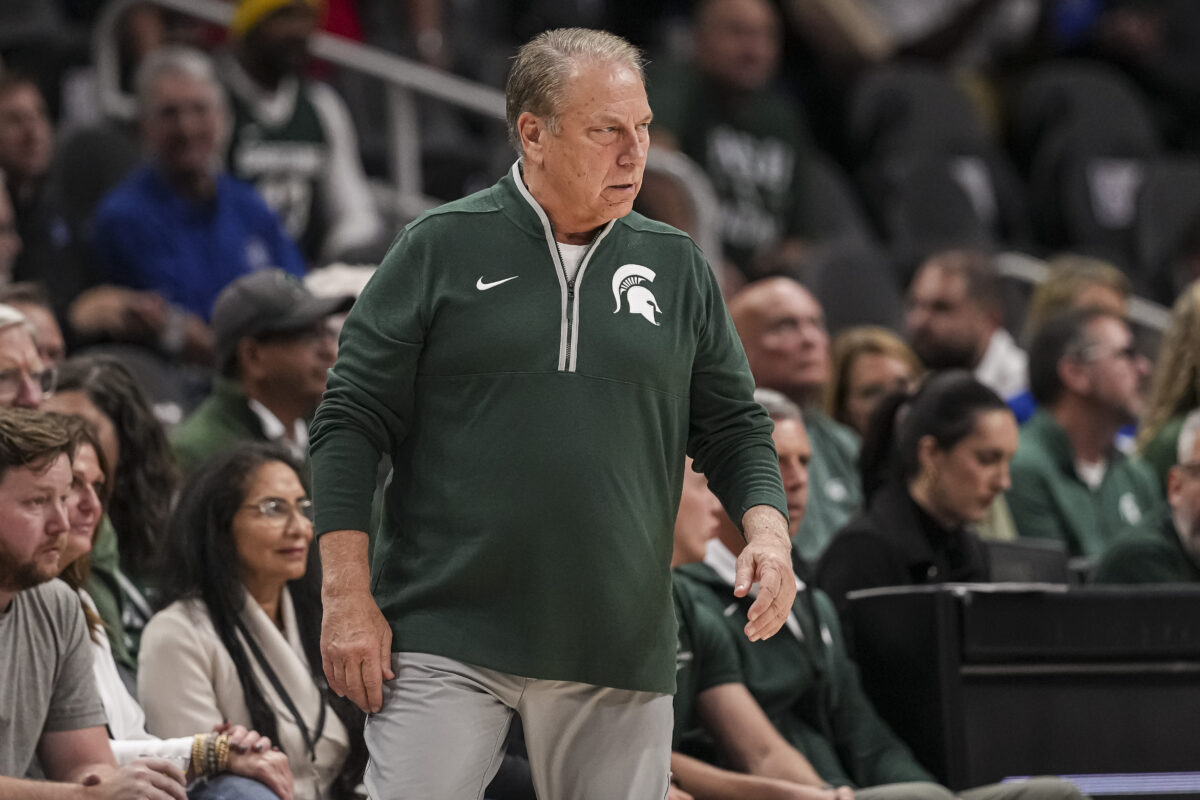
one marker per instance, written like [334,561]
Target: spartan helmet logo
[627,281]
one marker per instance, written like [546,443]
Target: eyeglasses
[1128,353]
[278,510]
[13,380]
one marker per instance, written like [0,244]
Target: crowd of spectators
[165,338]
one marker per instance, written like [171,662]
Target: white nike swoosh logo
[483,287]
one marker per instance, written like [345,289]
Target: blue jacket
[149,237]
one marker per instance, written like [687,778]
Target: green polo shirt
[834,486]
[705,657]
[1049,500]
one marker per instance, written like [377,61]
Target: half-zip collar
[568,347]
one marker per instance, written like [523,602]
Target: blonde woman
[869,363]
[1174,385]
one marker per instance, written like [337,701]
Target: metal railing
[403,80]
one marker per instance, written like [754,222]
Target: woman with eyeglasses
[250,770]
[239,638]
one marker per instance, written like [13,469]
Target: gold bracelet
[196,766]
[222,752]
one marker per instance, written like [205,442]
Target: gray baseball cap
[267,301]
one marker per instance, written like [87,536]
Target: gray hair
[175,59]
[10,316]
[1186,445]
[777,405]
[544,65]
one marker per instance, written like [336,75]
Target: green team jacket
[1049,501]
[1148,557]
[810,688]
[537,428]
[221,421]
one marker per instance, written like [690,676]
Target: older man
[782,327]
[179,230]
[804,679]
[1068,480]
[24,378]
[537,359]
[1170,553]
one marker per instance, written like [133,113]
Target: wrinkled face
[738,43]
[297,362]
[965,479]
[593,164]
[22,378]
[183,123]
[1183,495]
[1116,372]
[946,329]
[870,378]
[26,139]
[83,504]
[782,328]
[272,548]
[791,440]
[33,523]
[281,38]
[699,515]
[77,403]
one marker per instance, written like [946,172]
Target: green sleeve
[729,433]
[105,591]
[368,403]
[1032,505]
[866,745]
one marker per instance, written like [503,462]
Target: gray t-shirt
[46,681]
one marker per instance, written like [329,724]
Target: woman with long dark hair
[932,464]
[239,638]
[125,558]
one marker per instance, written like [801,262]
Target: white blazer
[187,682]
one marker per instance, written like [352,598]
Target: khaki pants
[441,732]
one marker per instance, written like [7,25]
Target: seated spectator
[178,230]
[933,463]
[52,716]
[239,638]
[249,754]
[24,379]
[1069,482]
[1074,281]
[782,328]
[125,559]
[869,363]
[955,321]
[806,683]
[33,302]
[722,112]
[273,345]
[1170,554]
[1175,385]
[294,139]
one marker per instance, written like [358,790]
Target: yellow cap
[250,12]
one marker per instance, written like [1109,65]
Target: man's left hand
[767,561]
